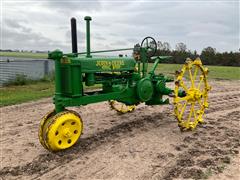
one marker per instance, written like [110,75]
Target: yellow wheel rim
[62,131]
[189,110]
[44,121]
[121,107]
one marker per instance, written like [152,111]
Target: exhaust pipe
[74,35]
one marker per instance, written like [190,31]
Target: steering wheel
[150,44]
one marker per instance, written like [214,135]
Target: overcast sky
[45,25]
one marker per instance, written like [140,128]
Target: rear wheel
[189,110]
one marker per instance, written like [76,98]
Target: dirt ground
[144,144]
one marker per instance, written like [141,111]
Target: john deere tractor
[123,81]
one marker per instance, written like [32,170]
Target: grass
[18,94]
[25,55]
[10,95]
[224,72]
[215,72]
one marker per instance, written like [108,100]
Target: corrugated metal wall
[32,68]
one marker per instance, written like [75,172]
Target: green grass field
[18,94]
[215,72]
[25,55]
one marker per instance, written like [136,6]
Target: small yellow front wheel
[61,131]
[121,107]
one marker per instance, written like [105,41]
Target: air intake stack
[88,19]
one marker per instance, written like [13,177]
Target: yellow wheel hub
[189,110]
[61,131]
[67,133]
[121,107]
[194,94]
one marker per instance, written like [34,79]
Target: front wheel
[60,131]
[192,80]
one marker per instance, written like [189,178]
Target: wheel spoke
[190,113]
[195,73]
[199,102]
[183,109]
[194,114]
[195,122]
[180,99]
[199,85]
[191,77]
[183,86]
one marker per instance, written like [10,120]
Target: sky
[45,24]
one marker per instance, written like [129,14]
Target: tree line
[209,55]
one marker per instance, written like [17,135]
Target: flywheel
[189,107]
[60,131]
[121,107]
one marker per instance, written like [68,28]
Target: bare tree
[166,46]
[159,45]
[181,47]
[163,46]
[209,50]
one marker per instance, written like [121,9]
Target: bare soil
[144,144]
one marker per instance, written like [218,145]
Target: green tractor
[124,82]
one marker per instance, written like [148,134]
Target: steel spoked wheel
[61,131]
[189,108]
[121,107]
